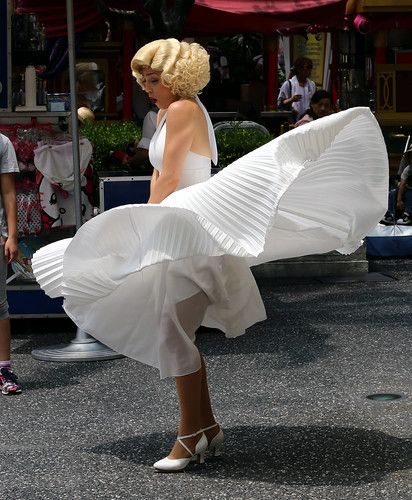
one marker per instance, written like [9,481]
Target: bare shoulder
[183,105]
[184,109]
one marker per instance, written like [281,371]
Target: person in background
[141,103]
[400,198]
[257,88]
[404,195]
[8,226]
[85,114]
[320,106]
[296,92]
[139,155]
[89,86]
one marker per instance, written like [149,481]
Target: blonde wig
[184,66]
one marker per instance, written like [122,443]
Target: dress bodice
[196,167]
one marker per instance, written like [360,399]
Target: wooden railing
[393,103]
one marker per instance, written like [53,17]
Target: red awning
[228,16]
[207,17]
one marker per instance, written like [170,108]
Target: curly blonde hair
[184,66]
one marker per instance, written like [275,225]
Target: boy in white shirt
[9,251]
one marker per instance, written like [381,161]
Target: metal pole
[83,347]
[73,100]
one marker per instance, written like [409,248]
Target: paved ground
[291,396]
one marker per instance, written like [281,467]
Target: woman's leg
[195,409]
[207,418]
[192,391]
[189,392]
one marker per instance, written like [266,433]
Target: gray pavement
[290,395]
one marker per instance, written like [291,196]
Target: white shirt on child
[8,165]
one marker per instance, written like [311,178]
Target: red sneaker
[8,382]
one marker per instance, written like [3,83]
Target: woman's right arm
[181,122]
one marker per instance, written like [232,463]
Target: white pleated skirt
[132,276]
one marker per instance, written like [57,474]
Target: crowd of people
[299,95]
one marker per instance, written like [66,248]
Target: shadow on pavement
[285,455]
[295,344]
[57,375]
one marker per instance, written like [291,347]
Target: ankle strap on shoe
[179,438]
[210,427]
[190,435]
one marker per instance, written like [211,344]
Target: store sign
[5,65]
[312,47]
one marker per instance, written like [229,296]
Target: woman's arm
[181,120]
[153,180]
[8,193]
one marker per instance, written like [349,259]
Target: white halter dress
[127,272]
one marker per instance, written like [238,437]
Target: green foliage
[234,142]
[109,136]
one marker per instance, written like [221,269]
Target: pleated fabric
[320,187]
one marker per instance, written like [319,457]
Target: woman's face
[322,108]
[158,93]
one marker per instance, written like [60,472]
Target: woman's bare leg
[190,313]
[189,393]
[207,417]
[195,409]
[206,414]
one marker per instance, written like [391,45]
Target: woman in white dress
[172,74]
[142,278]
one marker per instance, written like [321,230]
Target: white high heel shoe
[216,442]
[177,464]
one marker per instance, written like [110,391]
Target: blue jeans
[407,199]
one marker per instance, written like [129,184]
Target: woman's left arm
[8,193]
[180,131]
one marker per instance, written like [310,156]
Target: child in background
[9,251]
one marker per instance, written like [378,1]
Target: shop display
[45,201]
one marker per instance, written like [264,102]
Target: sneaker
[8,382]
[388,219]
[405,220]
